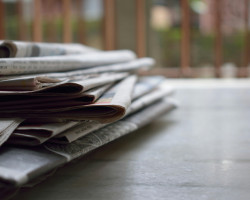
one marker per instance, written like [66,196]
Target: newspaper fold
[38,134]
[27,84]
[11,66]
[7,126]
[108,108]
[18,165]
[67,87]
[88,97]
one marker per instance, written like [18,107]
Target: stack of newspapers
[60,101]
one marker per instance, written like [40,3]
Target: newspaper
[108,108]
[146,84]
[67,87]
[10,49]
[117,67]
[129,66]
[31,103]
[33,135]
[149,98]
[88,97]
[27,84]
[111,132]
[12,66]
[87,127]
[18,165]
[142,87]
[7,126]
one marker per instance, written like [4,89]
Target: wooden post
[51,26]
[37,22]
[185,38]
[81,36]
[2,27]
[246,54]
[22,29]
[140,28]
[109,25]
[67,29]
[218,37]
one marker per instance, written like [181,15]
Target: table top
[198,151]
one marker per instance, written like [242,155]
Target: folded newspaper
[61,101]
[17,164]
[129,66]
[146,92]
[109,107]
[29,65]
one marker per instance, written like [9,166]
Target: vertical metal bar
[218,37]
[2,29]
[37,22]
[140,28]
[246,55]
[185,39]
[22,34]
[67,30]
[81,36]
[109,25]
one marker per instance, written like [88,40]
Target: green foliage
[202,47]
[233,48]
[169,40]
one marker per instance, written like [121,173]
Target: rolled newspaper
[10,49]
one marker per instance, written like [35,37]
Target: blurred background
[188,38]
